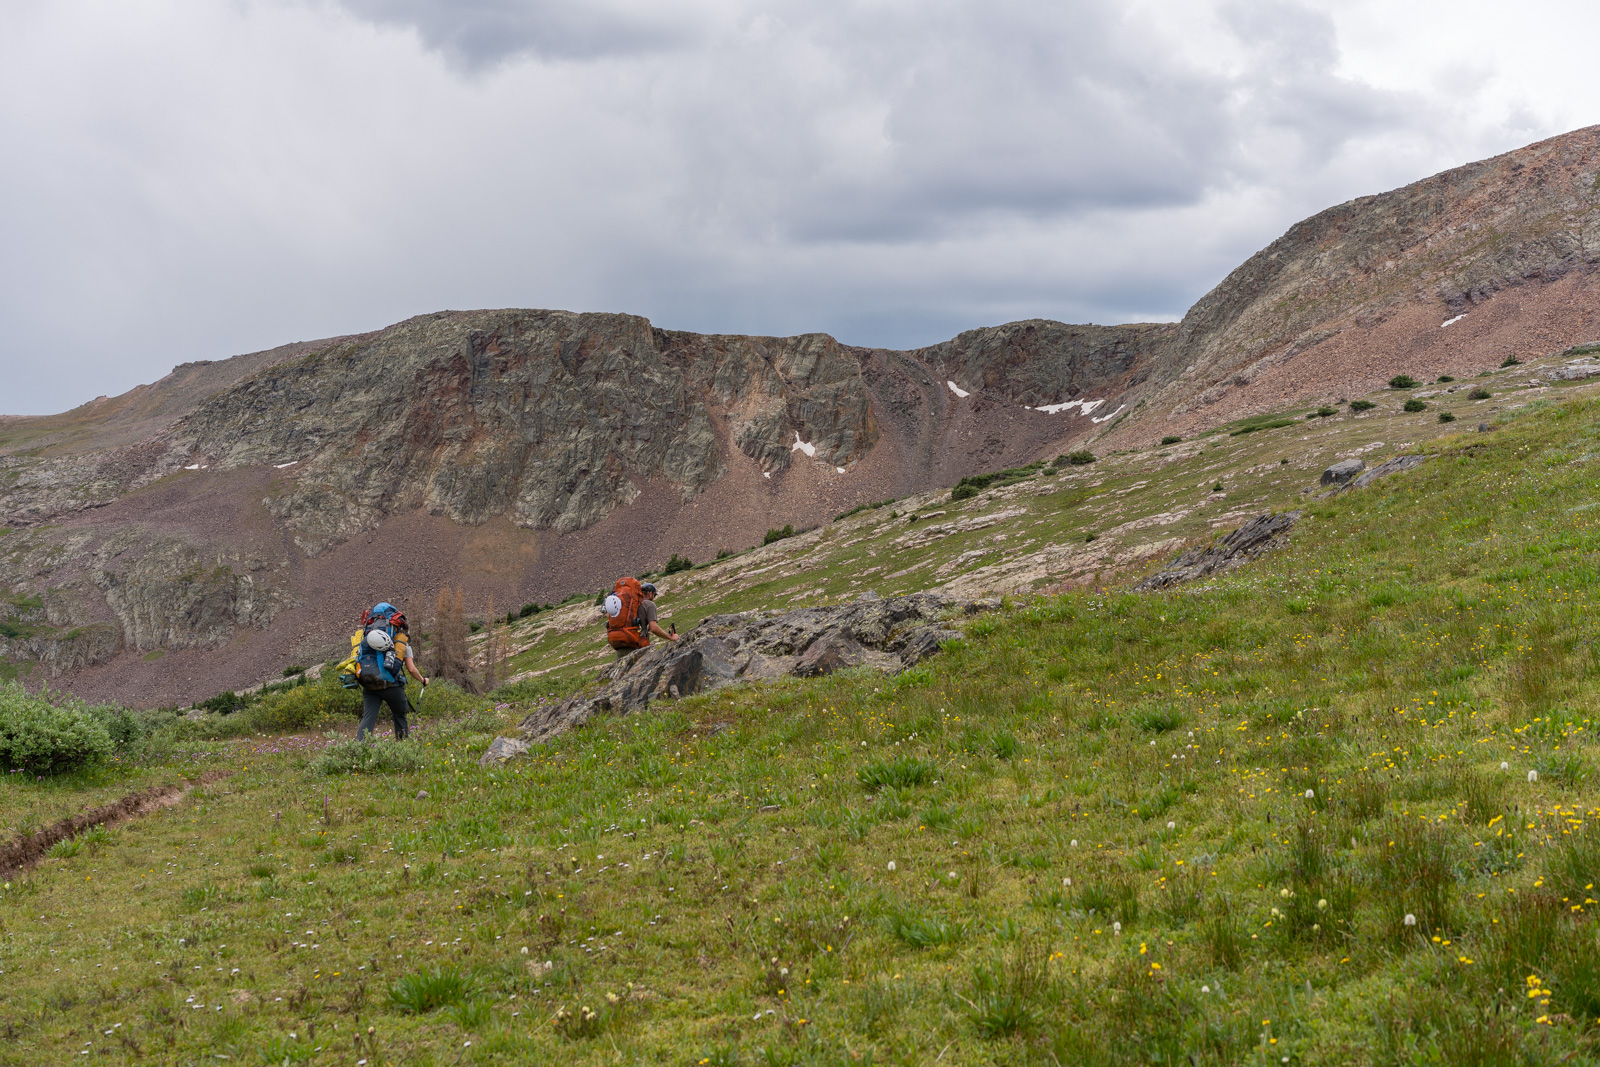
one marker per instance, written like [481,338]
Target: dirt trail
[27,850]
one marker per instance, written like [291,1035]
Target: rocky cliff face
[255,502]
[1441,247]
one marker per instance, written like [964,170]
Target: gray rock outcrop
[1255,538]
[1575,371]
[1383,470]
[1342,472]
[887,635]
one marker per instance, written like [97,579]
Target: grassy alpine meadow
[1336,806]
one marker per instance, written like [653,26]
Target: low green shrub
[369,757]
[47,735]
[1446,378]
[425,991]
[1082,457]
[529,690]
[1479,393]
[900,773]
[1264,423]
[1171,439]
[1323,412]
[1414,405]
[444,698]
[1158,720]
[678,563]
[859,508]
[973,484]
[306,705]
[1403,381]
[223,703]
[1362,405]
[924,931]
[1511,361]
[1010,996]
[1445,416]
[125,729]
[778,535]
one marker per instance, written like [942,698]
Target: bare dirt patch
[27,850]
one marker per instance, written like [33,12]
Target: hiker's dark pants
[373,699]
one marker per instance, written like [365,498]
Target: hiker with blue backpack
[380,659]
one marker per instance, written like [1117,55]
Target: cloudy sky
[190,179]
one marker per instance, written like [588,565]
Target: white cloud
[188,180]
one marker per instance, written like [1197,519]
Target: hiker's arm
[411,668]
[655,628]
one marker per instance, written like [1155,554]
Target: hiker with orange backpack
[380,659]
[630,610]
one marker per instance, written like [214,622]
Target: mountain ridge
[252,504]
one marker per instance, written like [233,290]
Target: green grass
[1096,807]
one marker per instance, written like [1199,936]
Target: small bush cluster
[859,508]
[1171,439]
[974,484]
[1362,405]
[778,535]
[528,611]
[368,757]
[44,735]
[678,563]
[901,773]
[1445,416]
[1479,393]
[1259,423]
[1323,412]
[1403,381]
[1414,405]
[303,706]
[430,990]
[1511,361]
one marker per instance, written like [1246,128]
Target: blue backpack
[371,668]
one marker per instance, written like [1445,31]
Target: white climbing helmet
[379,640]
[612,605]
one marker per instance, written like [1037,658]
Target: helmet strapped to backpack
[624,620]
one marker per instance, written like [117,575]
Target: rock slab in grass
[887,635]
[1575,371]
[502,749]
[1341,473]
[1383,470]
[1260,535]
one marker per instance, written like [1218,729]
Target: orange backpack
[625,627]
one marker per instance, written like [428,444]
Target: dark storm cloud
[191,180]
